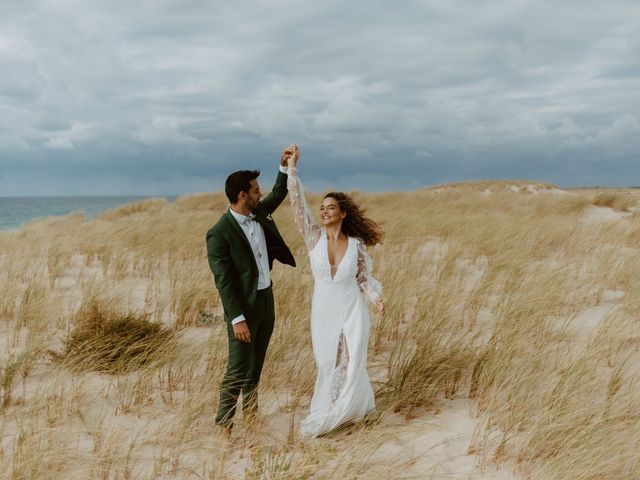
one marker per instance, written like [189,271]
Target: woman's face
[330,212]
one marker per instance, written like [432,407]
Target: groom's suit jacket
[231,257]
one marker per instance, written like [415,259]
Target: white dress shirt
[255,235]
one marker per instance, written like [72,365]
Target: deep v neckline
[326,243]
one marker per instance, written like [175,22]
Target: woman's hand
[291,154]
[380,306]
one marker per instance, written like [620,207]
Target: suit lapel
[269,228]
[272,236]
[263,221]
[239,231]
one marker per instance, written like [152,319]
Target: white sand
[596,214]
[436,446]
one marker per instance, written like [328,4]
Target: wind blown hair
[355,223]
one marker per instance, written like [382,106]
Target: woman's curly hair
[355,223]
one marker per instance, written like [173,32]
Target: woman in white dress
[339,312]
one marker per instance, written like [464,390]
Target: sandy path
[432,446]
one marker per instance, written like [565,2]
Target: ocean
[16,211]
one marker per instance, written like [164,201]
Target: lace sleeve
[369,286]
[307,227]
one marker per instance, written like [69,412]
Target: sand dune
[510,349]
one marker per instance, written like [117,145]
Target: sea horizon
[95,196]
[15,211]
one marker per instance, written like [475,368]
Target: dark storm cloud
[168,97]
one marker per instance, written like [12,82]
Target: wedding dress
[339,324]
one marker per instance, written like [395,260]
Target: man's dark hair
[239,181]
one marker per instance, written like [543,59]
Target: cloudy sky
[169,96]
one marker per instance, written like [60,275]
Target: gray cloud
[166,96]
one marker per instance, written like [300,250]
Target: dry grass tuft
[616,201]
[107,342]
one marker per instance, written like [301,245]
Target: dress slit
[340,369]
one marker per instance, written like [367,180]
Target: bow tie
[249,218]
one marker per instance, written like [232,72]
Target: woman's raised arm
[307,227]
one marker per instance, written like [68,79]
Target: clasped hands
[290,155]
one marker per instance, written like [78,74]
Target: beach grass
[512,307]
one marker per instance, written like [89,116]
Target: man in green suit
[241,248]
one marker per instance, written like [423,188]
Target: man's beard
[251,205]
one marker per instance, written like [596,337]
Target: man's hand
[241,331]
[290,156]
[284,158]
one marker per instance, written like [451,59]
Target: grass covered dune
[510,348]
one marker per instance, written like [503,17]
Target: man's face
[252,197]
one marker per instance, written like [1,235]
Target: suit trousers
[245,361]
